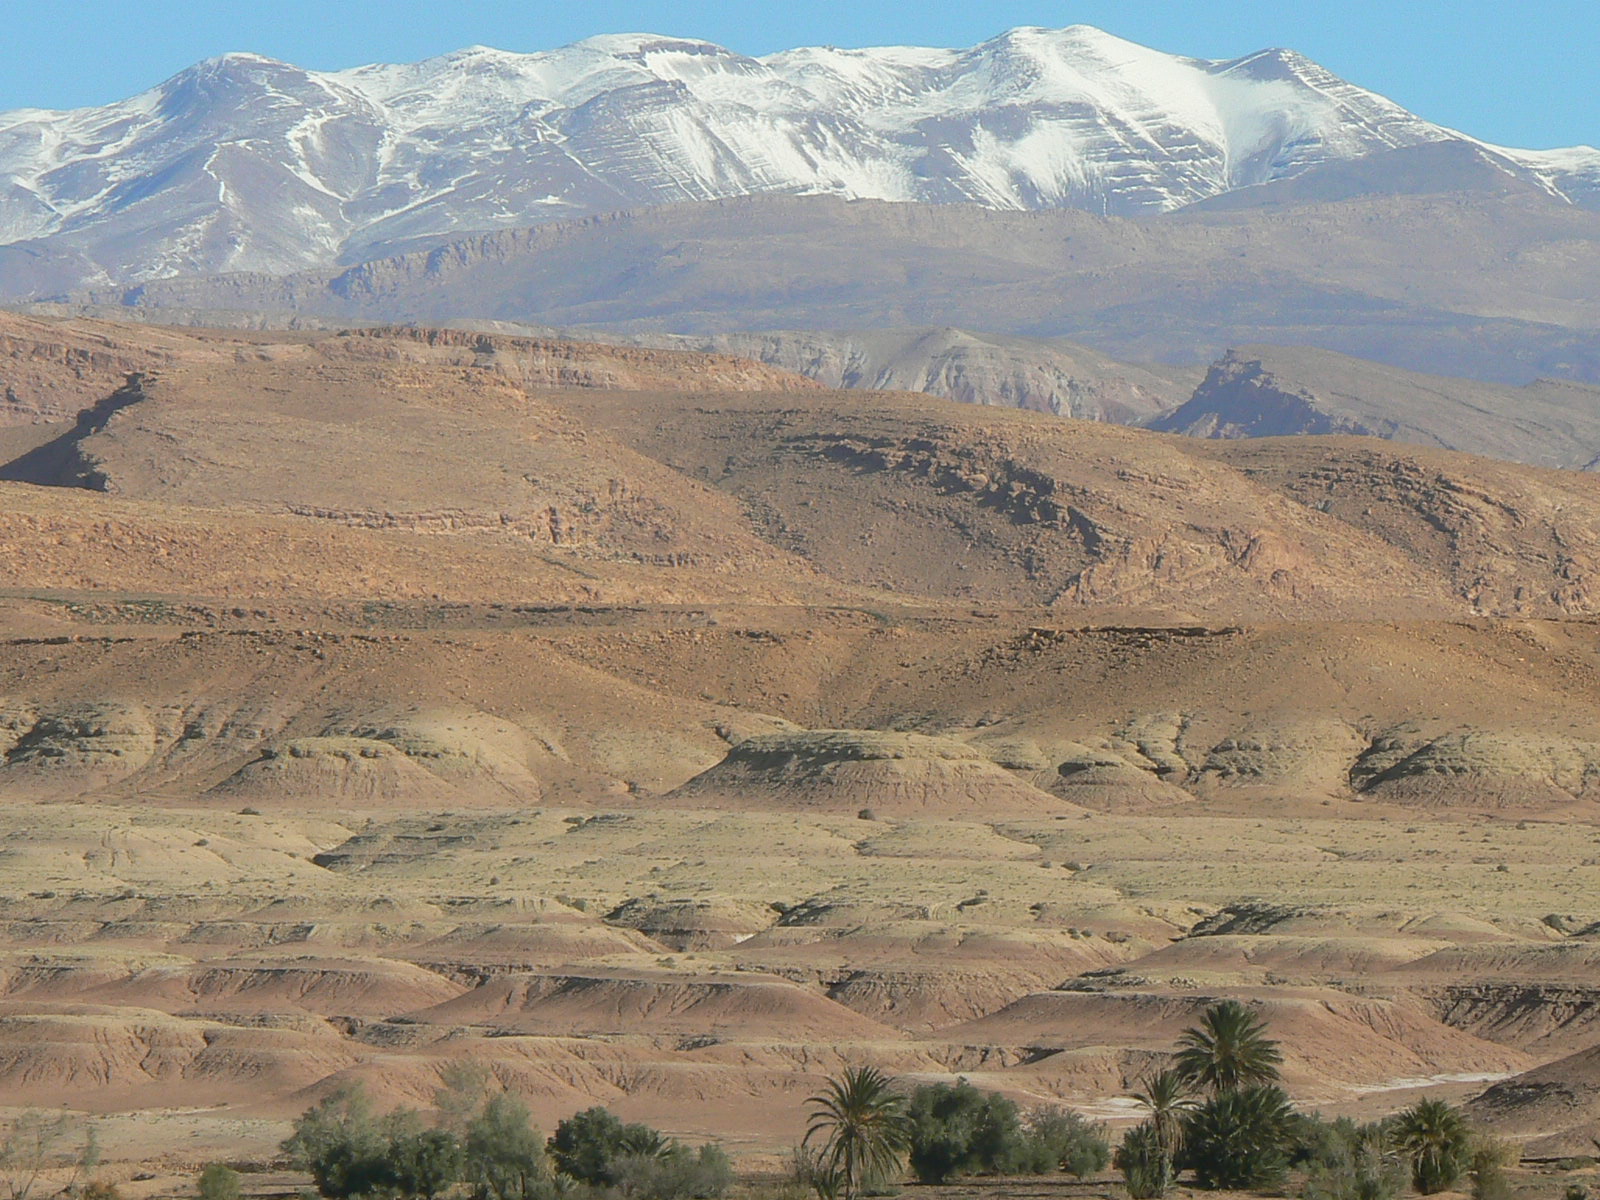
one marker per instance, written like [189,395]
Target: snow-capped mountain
[245,163]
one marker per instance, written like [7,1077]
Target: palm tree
[1228,1050]
[862,1124]
[1167,1094]
[1435,1137]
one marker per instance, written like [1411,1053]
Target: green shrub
[809,1172]
[587,1145]
[1058,1139]
[1239,1140]
[340,1142]
[349,1152]
[675,1173]
[1145,1165]
[505,1156]
[426,1162]
[1351,1162]
[959,1130]
[1491,1184]
[218,1182]
[596,1148]
[1488,1159]
[1315,1142]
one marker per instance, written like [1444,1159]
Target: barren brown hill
[1006,507]
[1556,1106]
[465,440]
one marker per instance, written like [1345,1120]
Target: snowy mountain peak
[642,45]
[245,163]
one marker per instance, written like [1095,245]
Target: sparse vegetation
[1487,1162]
[498,1155]
[960,1130]
[1060,1139]
[1346,1161]
[675,1173]
[37,1146]
[595,1147]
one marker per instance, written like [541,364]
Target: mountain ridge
[242,162]
[1469,284]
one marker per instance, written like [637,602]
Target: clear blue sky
[1522,74]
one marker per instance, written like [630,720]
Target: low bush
[1058,1139]
[595,1147]
[426,1162]
[676,1173]
[1145,1165]
[1350,1162]
[959,1130]
[1487,1163]
[218,1182]
[494,1150]
[341,1144]
[588,1146]
[505,1156]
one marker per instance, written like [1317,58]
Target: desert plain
[666,731]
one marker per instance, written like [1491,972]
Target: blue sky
[1519,74]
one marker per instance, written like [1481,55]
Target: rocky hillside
[502,447]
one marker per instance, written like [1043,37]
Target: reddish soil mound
[732,1007]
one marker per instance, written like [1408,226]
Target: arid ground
[665,731]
